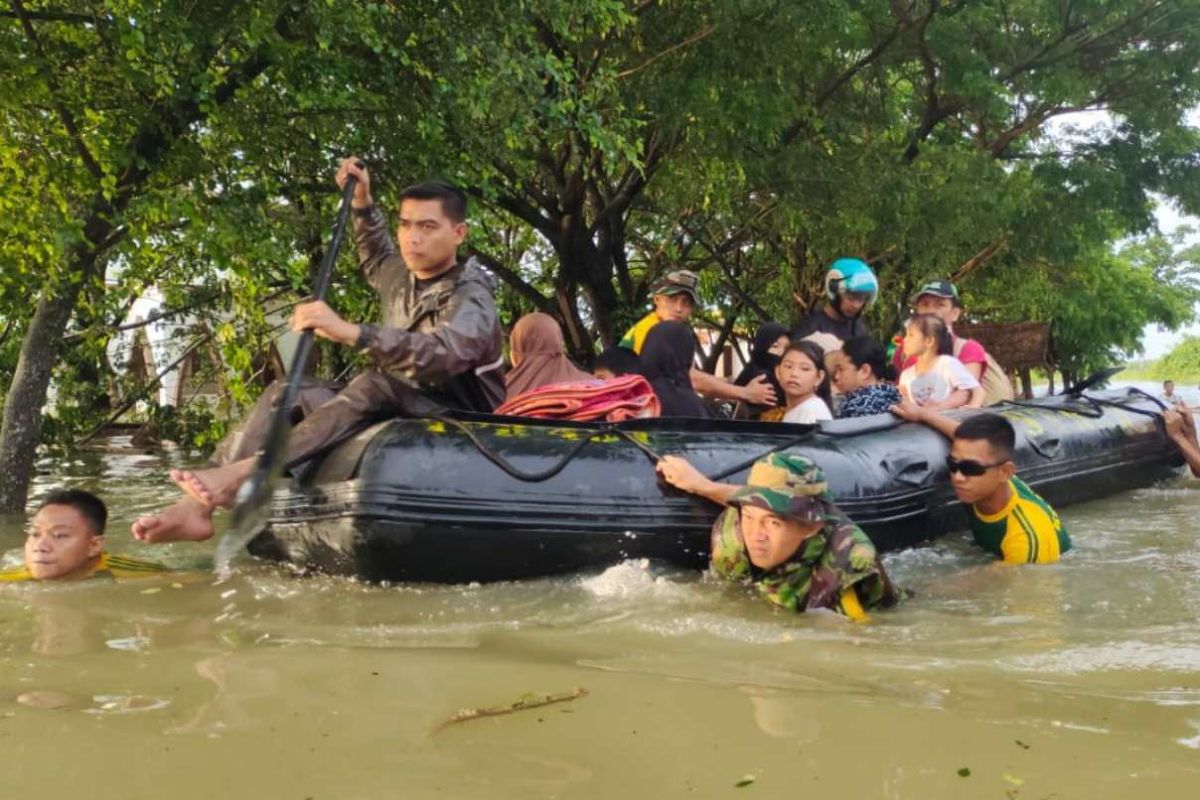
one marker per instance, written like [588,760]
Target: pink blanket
[626,397]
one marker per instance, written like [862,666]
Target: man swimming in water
[65,541]
[782,534]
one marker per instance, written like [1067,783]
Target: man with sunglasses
[1008,519]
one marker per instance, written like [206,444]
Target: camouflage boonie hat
[788,485]
[680,281]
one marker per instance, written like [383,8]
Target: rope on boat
[610,430]
[547,474]
[725,473]
[1094,412]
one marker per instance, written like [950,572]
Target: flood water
[1078,680]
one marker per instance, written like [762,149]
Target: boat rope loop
[736,468]
[1095,405]
[1100,401]
[545,475]
[609,429]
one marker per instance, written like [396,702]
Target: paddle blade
[251,514]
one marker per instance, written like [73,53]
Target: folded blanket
[626,397]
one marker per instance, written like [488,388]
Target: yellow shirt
[635,337]
[118,567]
[1025,531]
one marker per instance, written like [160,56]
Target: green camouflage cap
[680,281]
[788,485]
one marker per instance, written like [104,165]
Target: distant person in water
[783,535]
[1008,519]
[65,541]
[439,345]
[1169,396]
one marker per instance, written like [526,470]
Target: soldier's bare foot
[212,487]
[186,521]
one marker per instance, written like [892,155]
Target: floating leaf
[1014,780]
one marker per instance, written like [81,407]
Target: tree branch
[55,16]
[514,279]
[979,259]
[702,34]
[48,75]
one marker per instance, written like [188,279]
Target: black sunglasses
[968,467]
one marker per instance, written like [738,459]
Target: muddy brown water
[1075,680]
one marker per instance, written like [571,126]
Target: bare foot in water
[213,487]
[186,521]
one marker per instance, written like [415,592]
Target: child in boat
[941,298]
[860,373]
[801,373]
[1008,519]
[65,541]
[782,534]
[936,381]
[615,362]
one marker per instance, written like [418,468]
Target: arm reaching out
[679,473]
[911,412]
[757,392]
[1179,433]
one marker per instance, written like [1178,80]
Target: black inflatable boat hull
[416,500]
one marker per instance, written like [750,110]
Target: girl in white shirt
[936,381]
[801,375]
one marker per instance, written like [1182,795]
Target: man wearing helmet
[850,289]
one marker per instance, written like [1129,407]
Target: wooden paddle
[253,506]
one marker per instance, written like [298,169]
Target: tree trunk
[714,355]
[21,431]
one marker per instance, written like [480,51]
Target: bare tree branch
[702,34]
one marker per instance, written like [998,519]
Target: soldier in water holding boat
[439,343]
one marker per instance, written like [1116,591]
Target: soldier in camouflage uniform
[783,535]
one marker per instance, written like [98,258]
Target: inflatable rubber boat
[486,498]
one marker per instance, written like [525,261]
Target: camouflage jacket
[816,575]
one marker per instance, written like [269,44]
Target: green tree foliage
[1181,364]
[190,146]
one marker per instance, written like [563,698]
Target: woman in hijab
[667,356]
[769,343]
[536,350]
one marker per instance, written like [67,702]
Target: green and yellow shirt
[635,337]
[1025,531]
[117,567]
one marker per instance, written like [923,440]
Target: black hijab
[762,362]
[667,355]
